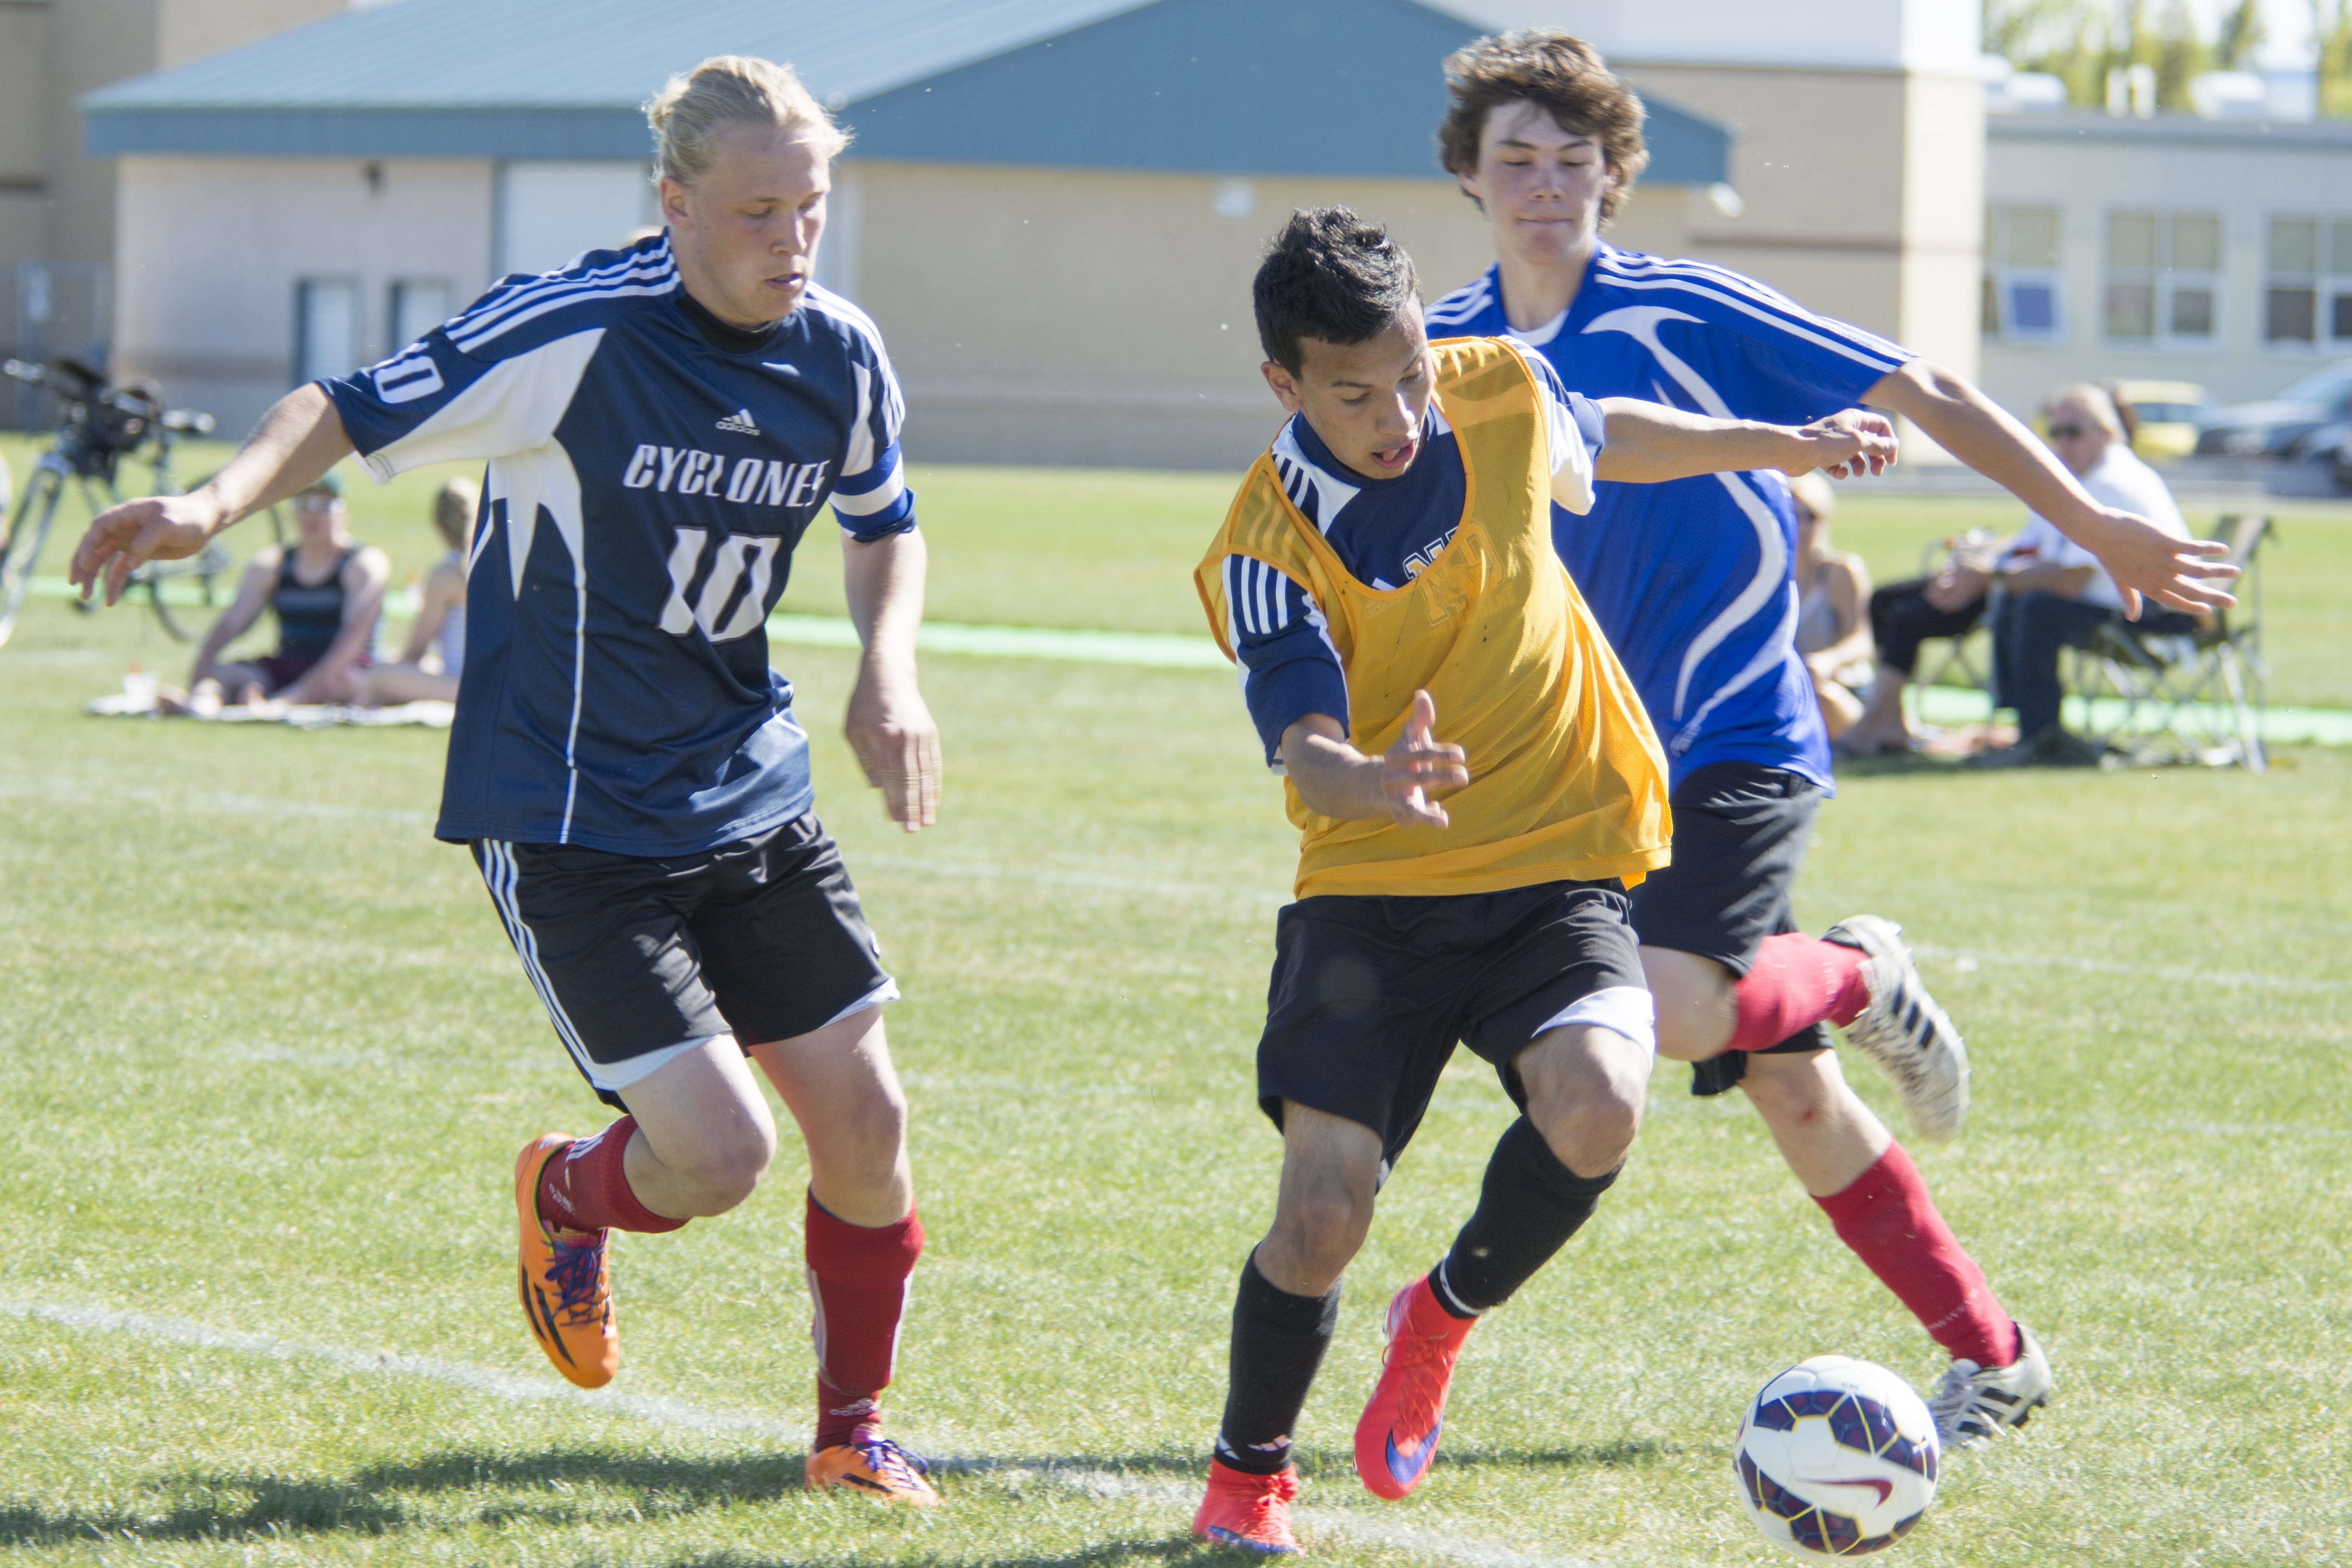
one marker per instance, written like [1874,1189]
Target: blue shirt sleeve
[1766,356]
[1289,668]
[872,499]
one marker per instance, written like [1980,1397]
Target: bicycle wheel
[201,567]
[27,531]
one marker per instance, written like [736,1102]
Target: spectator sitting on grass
[326,592]
[2054,593]
[440,625]
[1833,587]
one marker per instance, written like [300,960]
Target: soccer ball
[1837,1457]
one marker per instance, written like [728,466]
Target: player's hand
[890,728]
[155,527]
[1418,763]
[2145,560]
[1847,445]
[1957,587]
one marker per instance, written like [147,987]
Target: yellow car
[2168,413]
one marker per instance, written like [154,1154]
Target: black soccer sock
[1528,1206]
[1278,1342]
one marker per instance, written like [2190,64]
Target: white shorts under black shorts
[640,960]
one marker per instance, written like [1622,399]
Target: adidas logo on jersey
[740,422]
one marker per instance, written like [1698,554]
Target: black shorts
[1370,994]
[1740,832]
[641,959]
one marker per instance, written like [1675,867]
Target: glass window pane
[2342,322]
[2340,251]
[2033,308]
[2289,315]
[2131,310]
[2195,243]
[2295,244]
[2192,312]
[418,305]
[2131,239]
[1989,308]
[2033,236]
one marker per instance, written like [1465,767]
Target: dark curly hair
[1332,276]
[1563,76]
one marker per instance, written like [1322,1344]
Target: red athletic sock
[858,1279]
[1891,1223]
[1797,981]
[586,1188]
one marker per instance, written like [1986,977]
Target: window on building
[326,328]
[2163,278]
[418,305]
[2339,282]
[2021,292]
[2291,291]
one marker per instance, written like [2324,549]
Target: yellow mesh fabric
[1567,781]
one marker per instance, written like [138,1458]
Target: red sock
[858,1279]
[1797,981]
[585,1188]
[1891,1223]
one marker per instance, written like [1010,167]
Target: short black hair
[1330,275]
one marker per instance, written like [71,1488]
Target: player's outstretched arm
[2142,557]
[297,440]
[1337,780]
[1649,442]
[889,726]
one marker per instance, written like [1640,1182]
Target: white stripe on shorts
[1621,1009]
[500,876]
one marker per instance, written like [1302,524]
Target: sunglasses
[2068,431]
[315,503]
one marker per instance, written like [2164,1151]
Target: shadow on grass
[1101,1556]
[1624,1453]
[545,1489]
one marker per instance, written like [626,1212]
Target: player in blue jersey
[661,425]
[1548,142]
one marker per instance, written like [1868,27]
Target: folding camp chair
[2187,696]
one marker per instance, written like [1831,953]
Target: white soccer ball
[1837,1457]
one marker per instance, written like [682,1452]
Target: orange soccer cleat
[567,1291]
[1251,1513]
[878,1468]
[1397,1436]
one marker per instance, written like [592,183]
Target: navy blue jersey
[1385,532]
[1693,581]
[645,493]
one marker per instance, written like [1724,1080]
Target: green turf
[267,1057]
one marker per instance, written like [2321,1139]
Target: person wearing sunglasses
[326,590]
[2053,593]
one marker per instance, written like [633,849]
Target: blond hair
[1814,492]
[453,506]
[688,113]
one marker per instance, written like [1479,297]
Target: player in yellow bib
[1387,571]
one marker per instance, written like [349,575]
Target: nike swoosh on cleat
[1407,1467]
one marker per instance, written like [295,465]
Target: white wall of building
[2086,183]
[1938,37]
[230,272]
[550,212]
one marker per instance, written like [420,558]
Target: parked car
[2331,444]
[2169,414]
[2278,426]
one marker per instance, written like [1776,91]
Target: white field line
[1968,959]
[1441,1545]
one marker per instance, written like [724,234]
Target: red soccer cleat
[1252,1512]
[1397,1434]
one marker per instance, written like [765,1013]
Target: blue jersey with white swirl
[1693,581]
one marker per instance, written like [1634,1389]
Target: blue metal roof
[1315,87]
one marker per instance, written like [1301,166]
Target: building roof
[2171,130]
[1263,87]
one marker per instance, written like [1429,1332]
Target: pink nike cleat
[1397,1436]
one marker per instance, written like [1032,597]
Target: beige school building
[1052,208]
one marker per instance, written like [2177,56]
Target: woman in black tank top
[327,591]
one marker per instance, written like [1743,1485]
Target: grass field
[266,1058]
